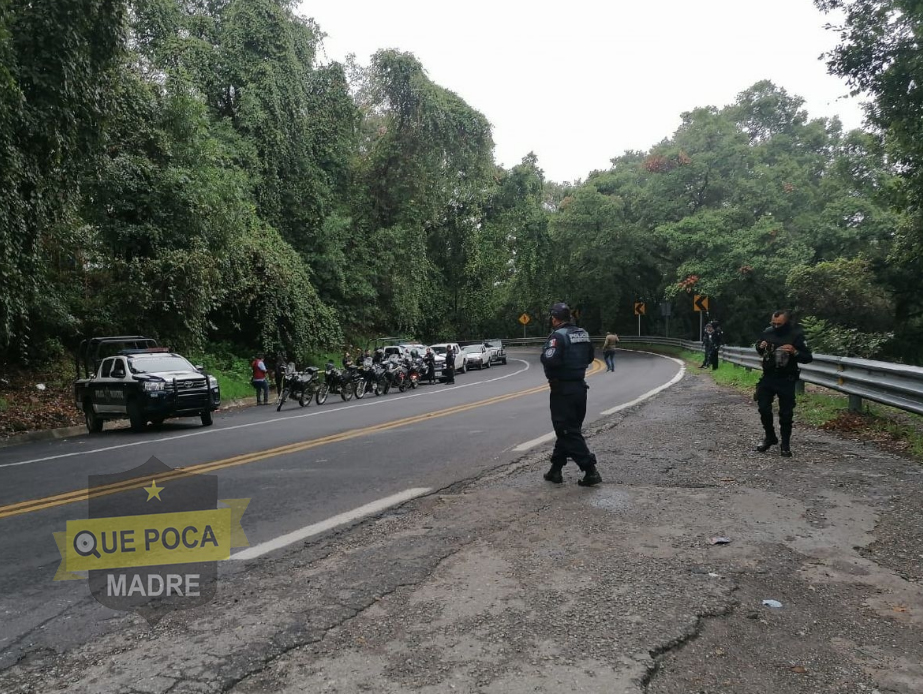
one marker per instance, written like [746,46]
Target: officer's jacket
[567,354]
[777,362]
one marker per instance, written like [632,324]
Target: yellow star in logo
[153,492]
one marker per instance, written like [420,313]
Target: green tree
[56,65]
[879,55]
[844,291]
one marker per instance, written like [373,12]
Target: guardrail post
[855,403]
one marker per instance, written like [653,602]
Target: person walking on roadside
[783,347]
[566,355]
[609,350]
[260,382]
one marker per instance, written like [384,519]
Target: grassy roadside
[896,431]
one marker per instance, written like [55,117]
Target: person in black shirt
[711,343]
[449,369]
[783,347]
[566,355]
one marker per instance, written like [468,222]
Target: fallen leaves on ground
[23,407]
[864,427]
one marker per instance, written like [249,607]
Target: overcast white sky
[580,82]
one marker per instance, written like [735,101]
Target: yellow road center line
[34,505]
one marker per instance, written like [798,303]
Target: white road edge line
[262,422]
[533,443]
[651,393]
[340,519]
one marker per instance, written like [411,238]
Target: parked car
[497,352]
[477,356]
[461,359]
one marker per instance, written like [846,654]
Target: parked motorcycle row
[376,378]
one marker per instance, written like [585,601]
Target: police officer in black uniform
[449,369]
[782,347]
[566,355]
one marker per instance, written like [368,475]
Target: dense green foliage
[879,55]
[191,170]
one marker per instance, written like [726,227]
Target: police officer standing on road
[449,369]
[566,355]
[782,347]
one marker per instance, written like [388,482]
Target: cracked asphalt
[505,583]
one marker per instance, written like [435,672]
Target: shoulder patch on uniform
[553,342]
[549,352]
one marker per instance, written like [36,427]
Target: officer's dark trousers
[568,410]
[770,387]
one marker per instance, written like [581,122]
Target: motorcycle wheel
[346,392]
[305,398]
[402,387]
[359,387]
[321,396]
[282,398]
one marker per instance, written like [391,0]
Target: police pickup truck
[132,377]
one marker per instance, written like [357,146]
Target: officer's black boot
[554,474]
[785,450]
[591,475]
[769,439]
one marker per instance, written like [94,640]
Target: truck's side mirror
[199,367]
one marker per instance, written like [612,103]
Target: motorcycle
[335,381]
[373,377]
[302,385]
[389,377]
[357,381]
[408,376]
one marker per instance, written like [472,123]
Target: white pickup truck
[496,351]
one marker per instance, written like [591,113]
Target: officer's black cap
[561,311]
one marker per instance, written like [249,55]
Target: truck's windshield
[149,365]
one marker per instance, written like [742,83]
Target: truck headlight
[212,382]
[151,386]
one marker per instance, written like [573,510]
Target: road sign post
[666,310]
[700,306]
[524,319]
[639,311]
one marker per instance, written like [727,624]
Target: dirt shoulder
[35,400]
[509,584]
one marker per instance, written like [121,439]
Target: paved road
[299,467]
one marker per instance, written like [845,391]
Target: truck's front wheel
[207,418]
[94,423]
[136,416]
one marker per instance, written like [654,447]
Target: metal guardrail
[895,385]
